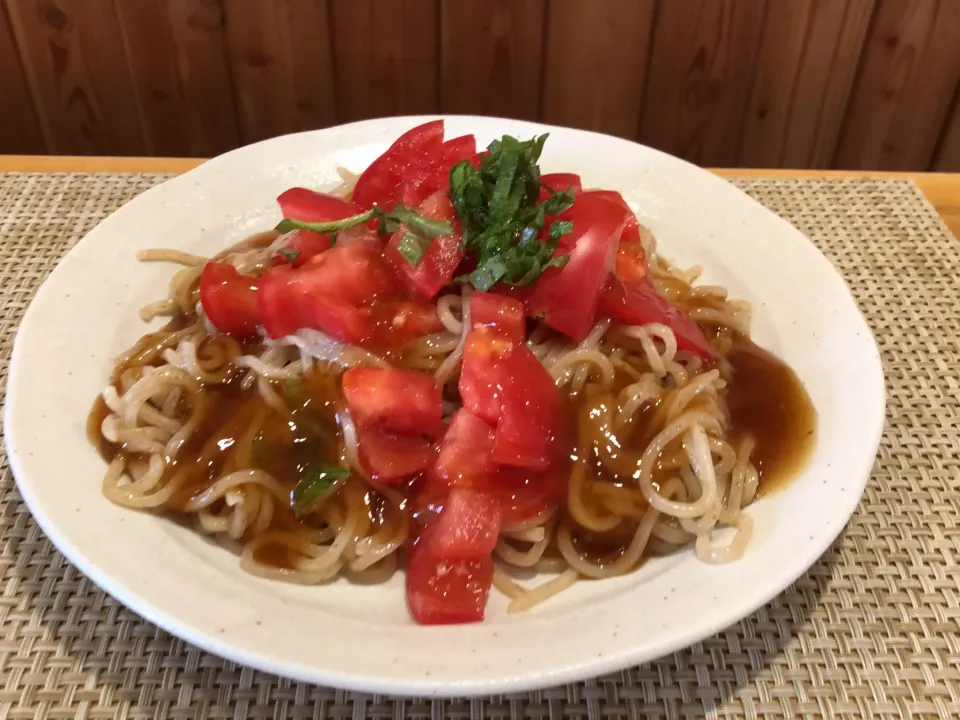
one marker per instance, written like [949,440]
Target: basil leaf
[315,483]
[560,228]
[325,228]
[289,253]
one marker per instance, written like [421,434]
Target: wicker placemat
[872,630]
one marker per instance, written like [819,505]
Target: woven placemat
[872,630]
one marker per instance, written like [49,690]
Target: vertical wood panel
[19,131]
[282,66]
[701,71]
[597,63]
[805,71]
[177,57]
[909,72]
[385,57]
[491,57]
[948,154]
[74,60]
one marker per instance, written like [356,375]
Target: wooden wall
[764,83]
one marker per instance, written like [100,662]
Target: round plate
[360,637]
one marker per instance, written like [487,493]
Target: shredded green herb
[501,218]
[289,253]
[314,484]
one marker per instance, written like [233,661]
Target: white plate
[360,637]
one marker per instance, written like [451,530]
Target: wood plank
[597,64]
[386,57]
[948,153]
[72,53]
[910,69]
[19,131]
[282,66]
[805,71]
[491,56]
[701,71]
[177,56]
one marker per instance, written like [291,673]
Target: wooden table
[942,189]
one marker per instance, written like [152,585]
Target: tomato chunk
[530,431]
[482,375]
[523,494]
[465,457]
[504,314]
[468,526]
[229,299]
[399,321]
[309,206]
[436,267]
[559,181]
[402,401]
[566,298]
[300,246]
[636,302]
[444,592]
[434,173]
[389,458]
[380,183]
[354,272]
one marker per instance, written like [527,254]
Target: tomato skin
[434,173]
[388,458]
[592,247]
[506,315]
[309,206]
[465,458]
[446,592]
[468,526]
[353,272]
[531,429]
[523,494]
[401,401]
[380,182]
[229,299]
[396,322]
[305,244]
[482,375]
[636,302]
[559,181]
[435,269]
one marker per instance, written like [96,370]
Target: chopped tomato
[465,457]
[559,181]
[436,267]
[434,173]
[301,204]
[631,231]
[443,592]
[399,321]
[530,430]
[229,299]
[524,493]
[467,528]
[566,298]
[287,302]
[301,246]
[631,262]
[388,458]
[380,182]
[636,302]
[353,272]
[504,314]
[482,375]
[402,401]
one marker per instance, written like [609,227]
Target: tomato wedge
[566,298]
[436,267]
[636,302]
[309,206]
[444,592]
[353,272]
[524,494]
[434,173]
[631,231]
[559,181]
[389,458]
[504,314]
[229,299]
[401,401]
[300,246]
[530,430]
[468,526]
[465,457]
[396,322]
[482,375]
[380,182]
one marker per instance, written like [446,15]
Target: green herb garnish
[315,483]
[420,231]
[289,253]
[497,205]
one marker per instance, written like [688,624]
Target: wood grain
[177,56]
[282,66]
[74,61]
[597,64]
[948,152]
[491,55]
[19,131]
[909,72]
[386,57]
[701,71]
[805,71]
